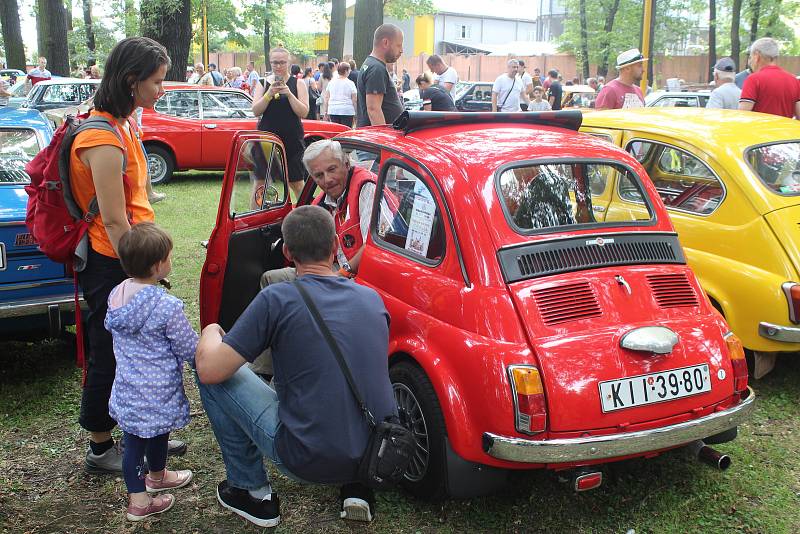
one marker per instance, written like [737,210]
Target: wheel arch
[166,146]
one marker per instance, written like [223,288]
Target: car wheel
[419,411]
[160,164]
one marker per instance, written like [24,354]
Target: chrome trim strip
[31,285]
[776,332]
[21,224]
[40,306]
[616,445]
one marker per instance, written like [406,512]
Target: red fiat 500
[525,332]
[192,126]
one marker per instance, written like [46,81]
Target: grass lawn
[44,489]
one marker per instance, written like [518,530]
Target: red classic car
[192,127]
[525,332]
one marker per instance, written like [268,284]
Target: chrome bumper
[556,451]
[788,334]
[48,306]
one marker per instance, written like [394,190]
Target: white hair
[767,47]
[512,62]
[237,71]
[725,74]
[315,150]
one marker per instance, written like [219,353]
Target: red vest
[347,216]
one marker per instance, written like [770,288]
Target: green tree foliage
[224,19]
[772,17]
[405,9]
[169,23]
[105,39]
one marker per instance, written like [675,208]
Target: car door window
[61,93]
[409,219]
[682,180]
[677,102]
[226,105]
[183,104]
[17,147]
[86,91]
[260,181]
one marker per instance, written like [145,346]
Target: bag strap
[326,333]
[513,84]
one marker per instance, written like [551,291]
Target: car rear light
[792,292]
[736,352]
[589,481]
[530,413]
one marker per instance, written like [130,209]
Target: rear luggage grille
[567,303]
[672,290]
[577,254]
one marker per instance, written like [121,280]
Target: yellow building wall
[321,42]
[423,35]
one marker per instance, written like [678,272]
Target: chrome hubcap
[412,418]
[156,167]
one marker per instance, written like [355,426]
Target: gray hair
[315,150]
[512,61]
[309,234]
[767,47]
[725,74]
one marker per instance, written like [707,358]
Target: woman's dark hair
[142,247]
[295,69]
[132,60]
[327,72]
[308,72]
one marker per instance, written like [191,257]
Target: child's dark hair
[142,247]
[132,60]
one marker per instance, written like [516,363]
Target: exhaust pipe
[711,456]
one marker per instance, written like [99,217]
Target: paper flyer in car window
[421,224]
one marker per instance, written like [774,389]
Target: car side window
[61,93]
[677,102]
[260,181]
[183,104]
[409,219]
[226,105]
[86,91]
[487,92]
[682,180]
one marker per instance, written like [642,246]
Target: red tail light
[530,411]
[792,292]
[736,352]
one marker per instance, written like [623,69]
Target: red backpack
[54,218]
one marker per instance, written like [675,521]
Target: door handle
[210,126]
[601,209]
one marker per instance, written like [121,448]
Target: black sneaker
[262,512]
[357,502]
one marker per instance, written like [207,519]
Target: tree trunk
[336,33]
[267,32]
[41,28]
[712,38]
[70,28]
[55,38]
[130,19]
[88,25]
[368,16]
[170,24]
[584,40]
[605,52]
[754,20]
[12,34]
[736,45]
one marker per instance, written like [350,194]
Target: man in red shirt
[770,89]
[624,92]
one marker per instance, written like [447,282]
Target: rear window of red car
[541,197]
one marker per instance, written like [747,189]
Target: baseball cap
[629,57]
[725,64]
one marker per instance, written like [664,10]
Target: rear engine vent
[672,290]
[567,303]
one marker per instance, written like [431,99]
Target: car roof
[705,128]
[169,86]
[30,118]
[65,80]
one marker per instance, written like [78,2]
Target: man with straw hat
[624,92]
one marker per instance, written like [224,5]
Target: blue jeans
[243,412]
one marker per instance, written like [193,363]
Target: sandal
[158,504]
[181,479]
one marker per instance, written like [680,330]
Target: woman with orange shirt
[134,73]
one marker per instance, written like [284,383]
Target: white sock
[262,492]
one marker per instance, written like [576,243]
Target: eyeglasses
[278,62]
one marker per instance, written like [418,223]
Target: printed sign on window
[421,224]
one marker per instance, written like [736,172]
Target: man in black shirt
[555,91]
[378,101]
[434,98]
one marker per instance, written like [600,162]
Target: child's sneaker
[358,503]
[158,504]
[168,481]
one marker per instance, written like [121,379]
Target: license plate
[2,256]
[655,387]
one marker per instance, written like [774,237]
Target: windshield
[536,197]
[778,166]
[17,147]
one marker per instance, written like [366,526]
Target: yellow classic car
[731,183]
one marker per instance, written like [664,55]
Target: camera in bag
[387,456]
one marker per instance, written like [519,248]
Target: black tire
[722,437]
[160,164]
[426,477]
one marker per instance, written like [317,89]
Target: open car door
[246,240]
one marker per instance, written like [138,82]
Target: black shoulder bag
[391,445]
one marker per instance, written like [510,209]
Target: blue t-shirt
[322,434]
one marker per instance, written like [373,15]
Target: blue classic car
[36,294]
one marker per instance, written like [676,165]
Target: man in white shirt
[253,80]
[445,77]
[527,84]
[726,93]
[507,89]
[199,71]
